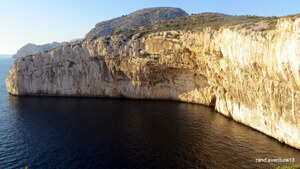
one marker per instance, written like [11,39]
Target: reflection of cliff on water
[91,132]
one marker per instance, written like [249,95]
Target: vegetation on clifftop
[289,167]
[293,17]
[200,21]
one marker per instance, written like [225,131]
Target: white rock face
[250,76]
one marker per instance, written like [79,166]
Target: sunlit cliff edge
[248,74]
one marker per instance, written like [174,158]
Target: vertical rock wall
[250,76]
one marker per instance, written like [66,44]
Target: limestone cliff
[249,75]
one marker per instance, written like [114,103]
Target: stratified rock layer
[251,76]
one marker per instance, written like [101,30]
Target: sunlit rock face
[250,76]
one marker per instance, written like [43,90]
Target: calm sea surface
[53,132]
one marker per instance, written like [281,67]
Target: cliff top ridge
[208,19]
[135,19]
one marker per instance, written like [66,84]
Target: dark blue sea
[103,133]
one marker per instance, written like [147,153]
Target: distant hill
[76,39]
[123,23]
[135,19]
[30,49]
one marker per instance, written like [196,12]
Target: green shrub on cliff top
[289,167]
[144,54]
[199,22]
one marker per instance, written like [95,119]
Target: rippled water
[53,132]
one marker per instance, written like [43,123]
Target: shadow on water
[54,132]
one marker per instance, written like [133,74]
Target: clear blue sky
[41,21]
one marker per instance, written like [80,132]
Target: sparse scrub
[248,27]
[262,29]
[289,167]
[272,25]
[293,17]
[129,32]
[144,54]
[200,21]
[206,53]
[175,36]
